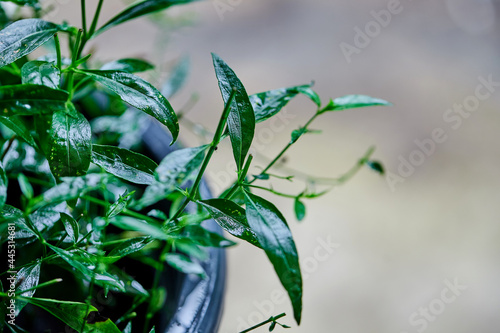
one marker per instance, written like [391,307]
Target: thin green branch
[265,322]
[93,26]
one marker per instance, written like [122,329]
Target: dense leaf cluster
[81,195]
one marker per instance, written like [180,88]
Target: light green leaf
[133,224]
[23,37]
[124,163]
[28,277]
[138,9]
[31,3]
[203,237]
[71,226]
[177,78]
[300,209]
[276,239]
[140,94]
[41,73]
[353,101]
[25,186]
[66,141]
[185,265]
[241,119]
[128,65]
[128,247]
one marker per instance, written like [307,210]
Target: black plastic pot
[194,304]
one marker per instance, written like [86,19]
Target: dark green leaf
[276,239]
[241,120]
[203,237]
[118,206]
[24,231]
[139,9]
[140,94]
[185,265]
[272,327]
[128,65]
[25,186]
[86,267]
[177,78]
[300,209]
[125,164]
[353,101]
[267,104]
[133,224]
[71,226]
[66,141]
[231,218]
[128,247]
[31,99]
[28,277]
[174,170]
[74,314]
[3,186]
[16,124]
[23,37]
[70,188]
[45,218]
[376,166]
[41,73]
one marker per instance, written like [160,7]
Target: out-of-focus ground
[396,245]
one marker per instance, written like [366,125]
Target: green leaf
[231,218]
[129,246]
[28,277]
[185,265]
[74,314]
[174,170]
[41,73]
[300,209]
[241,120]
[31,3]
[125,164]
[24,230]
[376,166]
[66,142]
[16,124]
[177,78]
[313,96]
[31,99]
[133,224]
[3,186]
[353,101]
[140,94]
[23,37]
[268,103]
[139,9]
[84,264]
[128,65]
[118,206]
[25,186]
[70,188]
[276,239]
[71,226]
[203,237]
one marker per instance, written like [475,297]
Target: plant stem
[84,18]
[213,147]
[96,18]
[58,51]
[270,320]
[74,57]
[41,285]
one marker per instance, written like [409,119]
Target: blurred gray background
[416,252]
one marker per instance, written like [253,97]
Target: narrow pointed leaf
[16,125]
[231,218]
[125,164]
[353,101]
[41,73]
[28,277]
[241,119]
[23,37]
[177,78]
[133,224]
[25,186]
[185,265]
[300,209]
[313,96]
[74,314]
[139,9]
[31,99]
[204,237]
[128,65]
[129,246]
[276,239]
[118,206]
[66,141]
[140,94]
[71,226]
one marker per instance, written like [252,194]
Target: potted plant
[105,225]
